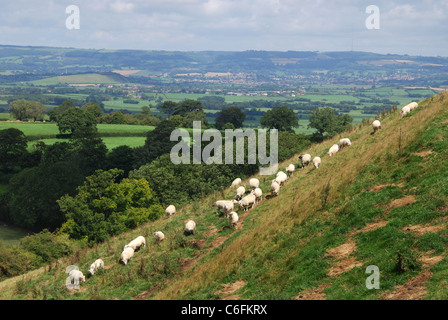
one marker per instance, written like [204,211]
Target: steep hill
[382,201]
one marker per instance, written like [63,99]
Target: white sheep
[98,264]
[258,194]
[233,219]
[159,236]
[412,105]
[247,202]
[405,110]
[137,243]
[170,210]
[240,193]
[236,182]
[190,226]
[254,183]
[376,125]
[290,169]
[281,179]
[127,254]
[333,150]
[76,277]
[280,173]
[345,142]
[275,188]
[317,161]
[225,205]
[305,159]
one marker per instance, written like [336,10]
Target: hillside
[383,201]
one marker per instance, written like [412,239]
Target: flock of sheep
[245,202]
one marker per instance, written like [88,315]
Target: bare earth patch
[313,294]
[229,289]
[422,229]
[382,186]
[402,202]
[343,262]
[370,227]
[423,153]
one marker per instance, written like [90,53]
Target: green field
[111,142]
[10,235]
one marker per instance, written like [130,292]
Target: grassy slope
[281,248]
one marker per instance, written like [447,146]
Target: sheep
[412,105]
[170,210]
[137,243]
[345,142]
[376,126]
[404,111]
[254,183]
[290,169]
[333,150]
[233,219]
[127,254]
[275,188]
[190,226]
[281,179]
[247,202]
[258,194]
[159,236]
[236,182]
[280,173]
[317,161]
[240,193]
[226,205]
[305,159]
[76,277]
[98,264]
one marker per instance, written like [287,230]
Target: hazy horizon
[416,28]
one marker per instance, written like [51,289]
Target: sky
[414,27]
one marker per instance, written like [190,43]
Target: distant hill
[381,202]
[31,63]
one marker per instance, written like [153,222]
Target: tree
[34,192]
[104,207]
[168,107]
[325,121]
[94,108]
[57,111]
[24,109]
[187,106]
[233,115]
[281,118]
[158,141]
[89,150]
[120,157]
[13,145]
[74,119]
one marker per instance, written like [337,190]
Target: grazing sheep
[233,219]
[412,105]
[226,205]
[98,264]
[254,183]
[236,182]
[376,126]
[240,193]
[345,142]
[281,179]
[333,150]
[127,254]
[290,170]
[305,159]
[190,226]
[76,277]
[280,173]
[137,243]
[317,161]
[159,236]
[247,202]
[404,111]
[258,194]
[170,210]
[275,188]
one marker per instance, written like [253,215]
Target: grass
[11,235]
[111,142]
[281,247]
